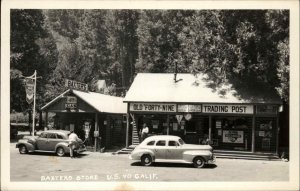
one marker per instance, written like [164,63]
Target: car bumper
[212,160]
[81,149]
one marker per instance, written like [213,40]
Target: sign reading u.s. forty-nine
[217,108]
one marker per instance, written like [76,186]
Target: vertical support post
[168,123]
[209,127]
[253,134]
[46,120]
[127,129]
[127,126]
[33,110]
[96,129]
[277,133]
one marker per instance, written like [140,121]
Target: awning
[100,102]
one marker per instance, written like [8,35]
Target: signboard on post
[76,85]
[29,88]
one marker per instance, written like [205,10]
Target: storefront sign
[153,107]
[76,85]
[233,136]
[266,109]
[71,102]
[215,108]
[189,108]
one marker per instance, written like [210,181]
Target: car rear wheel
[60,151]
[23,149]
[146,160]
[198,162]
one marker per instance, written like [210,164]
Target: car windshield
[181,141]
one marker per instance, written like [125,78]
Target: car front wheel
[23,149]
[146,160]
[60,151]
[198,162]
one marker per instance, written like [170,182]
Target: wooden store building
[98,119]
[185,105]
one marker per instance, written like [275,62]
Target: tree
[27,37]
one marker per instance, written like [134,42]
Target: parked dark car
[54,141]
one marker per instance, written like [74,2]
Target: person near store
[73,138]
[144,131]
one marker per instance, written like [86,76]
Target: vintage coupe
[53,141]
[167,148]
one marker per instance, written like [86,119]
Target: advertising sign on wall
[153,107]
[216,108]
[233,136]
[71,102]
[189,108]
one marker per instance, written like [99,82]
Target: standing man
[145,131]
[73,138]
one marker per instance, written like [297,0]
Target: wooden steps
[245,155]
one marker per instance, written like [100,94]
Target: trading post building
[186,105]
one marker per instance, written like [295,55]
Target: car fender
[63,145]
[190,155]
[30,147]
[138,154]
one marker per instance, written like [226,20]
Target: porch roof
[100,102]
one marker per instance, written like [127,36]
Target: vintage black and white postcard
[149,95]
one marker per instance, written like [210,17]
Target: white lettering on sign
[214,108]
[189,108]
[153,107]
[76,85]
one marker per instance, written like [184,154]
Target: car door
[51,141]
[160,149]
[174,150]
[41,141]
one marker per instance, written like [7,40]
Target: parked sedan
[165,148]
[53,141]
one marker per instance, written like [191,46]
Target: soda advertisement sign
[233,136]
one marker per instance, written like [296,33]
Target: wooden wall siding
[118,132]
[262,142]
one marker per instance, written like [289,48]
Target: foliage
[246,48]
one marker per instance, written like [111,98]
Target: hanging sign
[71,102]
[179,118]
[153,107]
[216,108]
[76,85]
[188,116]
[29,88]
[189,108]
[232,136]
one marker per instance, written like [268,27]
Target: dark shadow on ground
[174,165]
[54,154]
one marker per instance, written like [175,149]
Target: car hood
[200,147]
